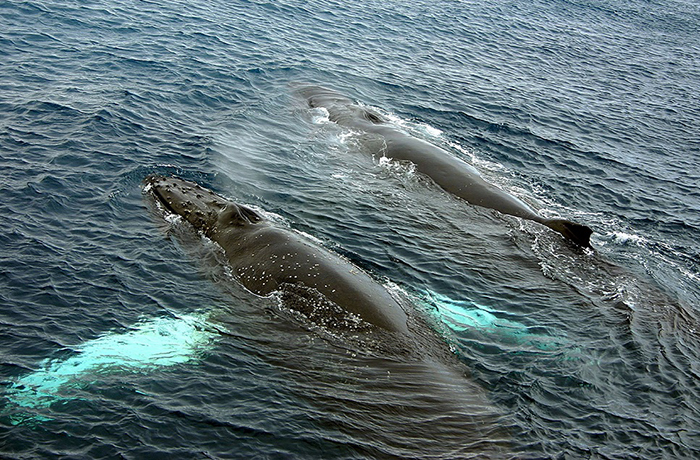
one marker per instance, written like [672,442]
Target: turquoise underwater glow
[151,344]
[163,342]
[467,316]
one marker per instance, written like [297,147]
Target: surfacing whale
[449,172]
[391,366]
[267,259]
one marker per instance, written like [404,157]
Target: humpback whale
[398,368]
[447,171]
[265,258]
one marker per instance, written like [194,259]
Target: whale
[390,360]
[266,258]
[452,174]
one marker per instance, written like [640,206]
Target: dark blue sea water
[123,337]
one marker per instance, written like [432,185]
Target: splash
[623,238]
[151,344]
[320,115]
[465,316]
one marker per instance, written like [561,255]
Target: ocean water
[124,336]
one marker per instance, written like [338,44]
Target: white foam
[431,130]
[627,238]
[172,218]
[309,237]
[320,115]
[400,168]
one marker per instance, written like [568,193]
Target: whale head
[201,207]
[319,96]
[341,109]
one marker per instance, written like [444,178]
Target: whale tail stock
[579,234]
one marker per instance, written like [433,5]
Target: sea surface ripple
[123,335]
